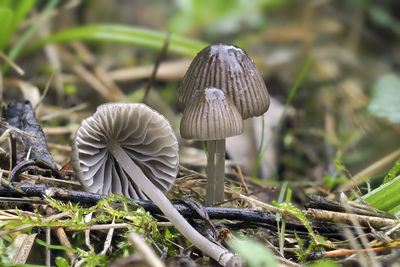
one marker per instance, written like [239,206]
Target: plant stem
[303,72]
[219,170]
[210,173]
[220,254]
[260,148]
[371,170]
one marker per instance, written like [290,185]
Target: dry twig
[149,255]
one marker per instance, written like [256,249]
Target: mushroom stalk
[210,173]
[219,170]
[220,254]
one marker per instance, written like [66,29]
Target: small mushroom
[230,69]
[131,150]
[212,117]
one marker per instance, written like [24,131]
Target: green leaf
[382,17]
[324,263]
[386,197]
[40,242]
[253,253]
[289,207]
[322,241]
[385,99]
[126,35]
[6,16]
[393,172]
[220,17]
[11,14]
[22,8]
[6,3]
[61,262]
[332,181]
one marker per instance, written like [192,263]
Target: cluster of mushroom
[221,88]
[130,149]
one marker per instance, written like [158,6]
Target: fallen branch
[22,116]
[341,217]
[251,218]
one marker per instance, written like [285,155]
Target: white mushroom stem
[219,170]
[210,173]
[220,254]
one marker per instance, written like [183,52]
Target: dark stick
[22,116]
[13,151]
[31,164]
[160,57]
[248,217]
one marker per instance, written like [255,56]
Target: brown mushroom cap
[144,134]
[211,115]
[230,69]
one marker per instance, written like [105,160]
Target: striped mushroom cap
[144,134]
[230,69]
[211,115]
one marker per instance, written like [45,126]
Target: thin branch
[46,90]
[341,217]
[13,65]
[144,249]
[160,57]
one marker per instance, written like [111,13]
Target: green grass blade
[260,149]
[17,48]
[386,197]
[11,14]
[281,230]
[392,173]
[303,73]
[22,8]
[40,242]
[126,35]
[7,17]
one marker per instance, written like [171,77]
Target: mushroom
[230,69]
[130,149]
[212,117]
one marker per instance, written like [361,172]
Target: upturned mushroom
[130,149]
[212,117]
[230,69]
